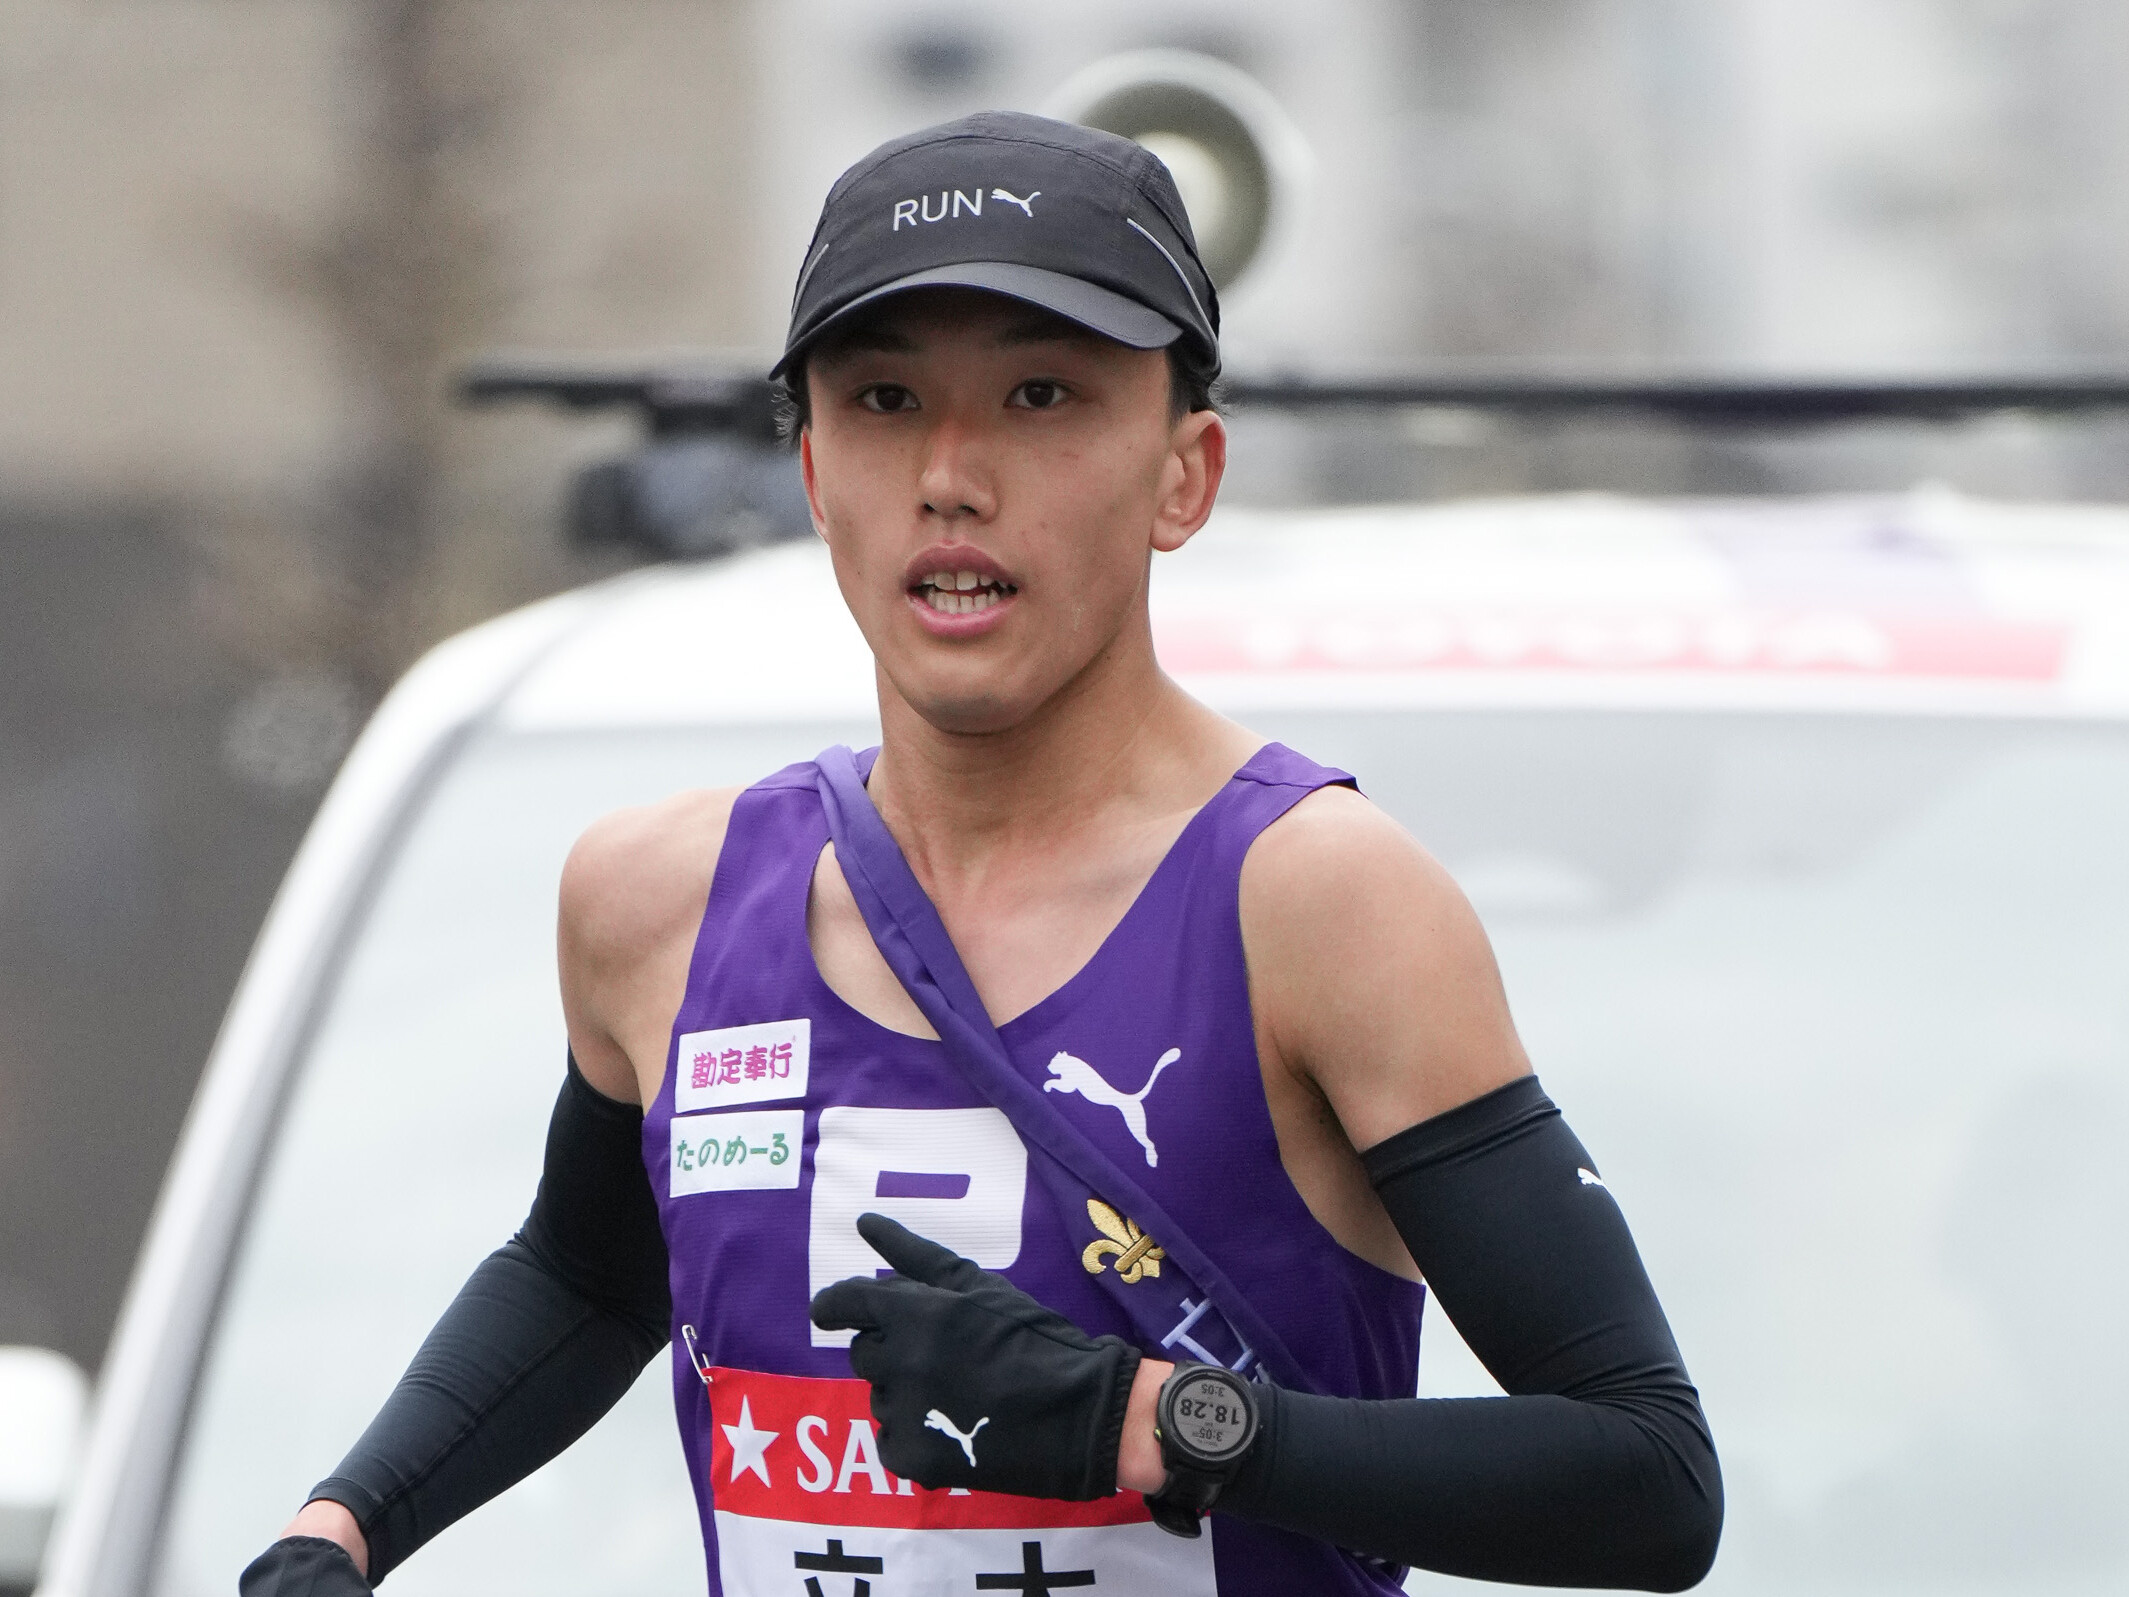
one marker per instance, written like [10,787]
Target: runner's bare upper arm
[1371,971]
[634,890]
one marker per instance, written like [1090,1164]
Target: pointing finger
[919,1258]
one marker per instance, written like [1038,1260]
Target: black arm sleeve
[1597,1469]
[546,1336]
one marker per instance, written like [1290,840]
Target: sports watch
[1206,1419]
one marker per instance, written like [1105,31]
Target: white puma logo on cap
[1076,1075]
[1027,205]
[936,1421]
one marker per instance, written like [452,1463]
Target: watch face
[1210,1416]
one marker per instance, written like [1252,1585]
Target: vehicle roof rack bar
[1695,399]
[671,399]
[728,399]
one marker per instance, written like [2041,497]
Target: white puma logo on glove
[935,1421]
[1076,1075]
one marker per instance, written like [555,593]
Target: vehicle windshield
[1841,1005]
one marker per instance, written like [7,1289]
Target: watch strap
[1181,1504]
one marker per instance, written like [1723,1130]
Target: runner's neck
[1096,763]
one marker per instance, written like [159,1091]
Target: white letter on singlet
[957,1176]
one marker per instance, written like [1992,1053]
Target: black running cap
[1079,222]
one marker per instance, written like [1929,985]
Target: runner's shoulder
[1338,831]
[1369,970]
[1337,862]
[638,877]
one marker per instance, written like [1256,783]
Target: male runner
[1220,981]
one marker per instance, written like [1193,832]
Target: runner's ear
[919,1258]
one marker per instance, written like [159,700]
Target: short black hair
[1192,386]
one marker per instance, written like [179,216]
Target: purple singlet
[785,1114]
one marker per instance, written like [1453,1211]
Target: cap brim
[1097,309]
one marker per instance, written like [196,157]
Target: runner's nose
[955,481]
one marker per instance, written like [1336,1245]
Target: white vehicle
[1801,827]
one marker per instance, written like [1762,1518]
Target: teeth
[960,593]
[956,603]
[959,582]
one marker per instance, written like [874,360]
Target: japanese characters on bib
[785,1114]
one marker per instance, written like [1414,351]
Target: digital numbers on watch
[1208,1417]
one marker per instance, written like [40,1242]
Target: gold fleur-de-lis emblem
[1134,1251]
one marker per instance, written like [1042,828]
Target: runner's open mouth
[962,592]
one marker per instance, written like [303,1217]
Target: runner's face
[991,481]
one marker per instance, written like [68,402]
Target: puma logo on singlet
[1076,1075]
[935,1421]
[1590,1178]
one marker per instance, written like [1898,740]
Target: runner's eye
[887,399]
[1041,393]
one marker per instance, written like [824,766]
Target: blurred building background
[243,243]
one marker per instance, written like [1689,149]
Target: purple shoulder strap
[914,942]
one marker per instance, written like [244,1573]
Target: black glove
[974,1383]
[303,1566]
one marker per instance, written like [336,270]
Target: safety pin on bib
[695,1355]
